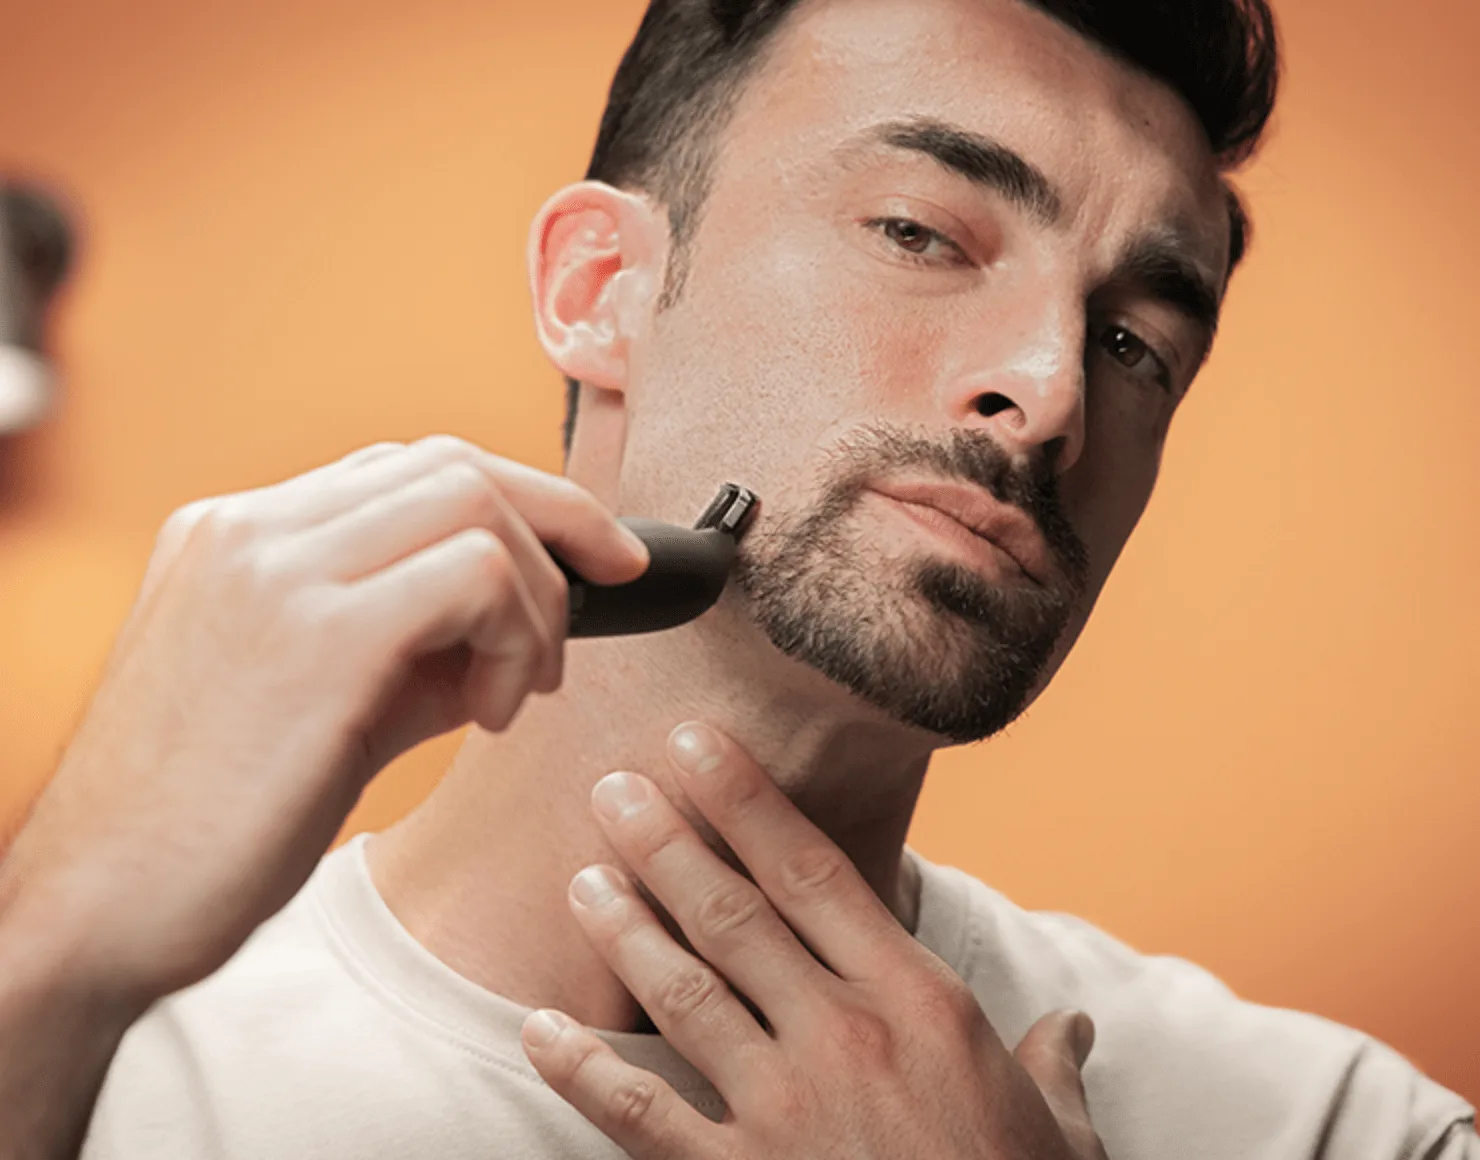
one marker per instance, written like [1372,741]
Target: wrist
[59,1032]
[50,969]
[42,1001]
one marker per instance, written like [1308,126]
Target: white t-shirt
[333,1033]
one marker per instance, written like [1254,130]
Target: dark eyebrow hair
[1161,268]
[1158,266]
[980,160]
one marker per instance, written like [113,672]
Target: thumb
[1052,1053]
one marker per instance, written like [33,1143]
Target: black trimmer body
[688,573]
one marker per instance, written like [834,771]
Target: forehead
[1125,150]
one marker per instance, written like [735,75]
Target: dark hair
[681,75]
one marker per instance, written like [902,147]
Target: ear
[596,259]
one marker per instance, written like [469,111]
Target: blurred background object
[35,257]
[306,225]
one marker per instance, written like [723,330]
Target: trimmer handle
[688,573]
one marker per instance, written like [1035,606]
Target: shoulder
[253,1059]
[282,982]
[1183,1066]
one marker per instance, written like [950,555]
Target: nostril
[992,404]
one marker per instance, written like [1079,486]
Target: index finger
[568,520]
[809,880]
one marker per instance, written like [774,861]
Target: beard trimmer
[688,573]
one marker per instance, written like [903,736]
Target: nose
[1027,389]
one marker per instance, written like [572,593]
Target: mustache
[969,457]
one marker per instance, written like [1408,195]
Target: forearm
[58,1035]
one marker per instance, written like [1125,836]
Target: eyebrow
[981,161]
[1161,268]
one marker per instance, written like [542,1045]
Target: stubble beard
[929,642]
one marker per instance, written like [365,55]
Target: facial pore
[930,642]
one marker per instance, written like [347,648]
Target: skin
[403,592]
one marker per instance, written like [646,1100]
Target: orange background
[305,232]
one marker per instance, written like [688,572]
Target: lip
[1006,528]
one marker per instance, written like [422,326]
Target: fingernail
[634,541]
[593,888]
[696,749]
[543,1028]
[1083,1037]
[620,795]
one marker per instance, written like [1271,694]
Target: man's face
[955,271]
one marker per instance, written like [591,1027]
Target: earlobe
[594,271]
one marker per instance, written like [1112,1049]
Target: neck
[479,873]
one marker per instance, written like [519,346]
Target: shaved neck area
[479,873]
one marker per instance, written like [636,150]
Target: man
[931,276]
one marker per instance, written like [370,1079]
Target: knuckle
[249,571]
[369,452]
[653,836]
[254,562]
[737,789]
[726,910]
[812,870]
[177,531]
[183,520]
[946,1002]
[583,509]
[478,499]
[496,575]
[861,1035]
[568,491]
[173,542]
[632,1103]
[688,991]
[489,556]
[445,448]
[463,476]
[227,525]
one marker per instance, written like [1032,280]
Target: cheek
[768,356]
[823,341]
[1107,490]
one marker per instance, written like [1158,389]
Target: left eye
[918,241]
[1131,351]
[908,235]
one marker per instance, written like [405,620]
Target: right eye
[1131,351]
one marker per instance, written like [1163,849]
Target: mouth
[992,532]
